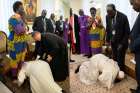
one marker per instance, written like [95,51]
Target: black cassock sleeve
[49,48]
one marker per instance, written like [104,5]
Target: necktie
[44,20]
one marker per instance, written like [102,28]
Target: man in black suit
[135,43]
[60,26]
[39,25]
[117,27]
[51,24]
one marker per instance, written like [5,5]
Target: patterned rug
[78,87]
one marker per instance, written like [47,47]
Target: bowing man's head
[36,36]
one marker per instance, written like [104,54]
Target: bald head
[36,36]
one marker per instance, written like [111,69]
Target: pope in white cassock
[40,76]
[100,68]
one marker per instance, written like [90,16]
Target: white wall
[59,7]
[49,5]
[6,10]
[52,6]
[76,5]
[125,7]
[121,5]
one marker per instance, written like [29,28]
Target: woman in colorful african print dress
[17,38]
[96,33]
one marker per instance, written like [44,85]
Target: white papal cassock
[101,68]
[40,76]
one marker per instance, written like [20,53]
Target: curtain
[6,10]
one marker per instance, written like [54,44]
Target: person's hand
[129,41]
[119,47]
[17,83]
[49,58]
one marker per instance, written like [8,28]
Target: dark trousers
[137,70]
[119,55]
[77,45]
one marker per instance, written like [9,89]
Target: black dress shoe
[72,60]
[85,55]
[117,81]
[77,70]
[89,56]
[133,91]
[63,91]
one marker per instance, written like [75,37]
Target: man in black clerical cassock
[55,52]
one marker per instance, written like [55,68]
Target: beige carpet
[78,87]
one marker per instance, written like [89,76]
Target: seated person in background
[100,68]
[40,77]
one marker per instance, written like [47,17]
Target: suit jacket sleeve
[107,30]
[35,25]
[47,24]
[58,26]
[135,45]
[126,31]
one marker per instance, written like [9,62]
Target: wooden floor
[4,89]
[129,66]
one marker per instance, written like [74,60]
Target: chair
[4,60]
[3,44]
